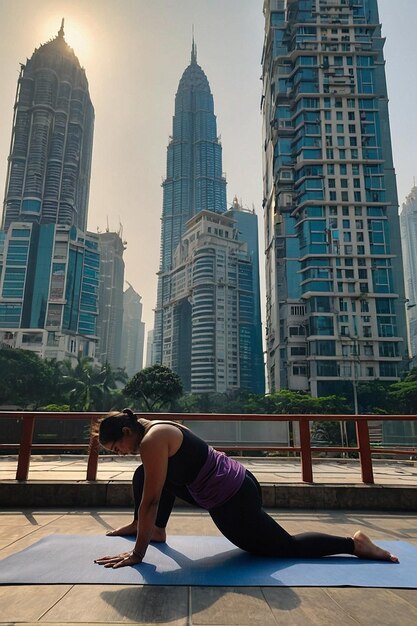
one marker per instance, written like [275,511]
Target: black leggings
[244,522]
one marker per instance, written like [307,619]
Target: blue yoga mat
[199,561]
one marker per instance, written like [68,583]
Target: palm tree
[83,384]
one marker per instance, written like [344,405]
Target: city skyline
[125,182]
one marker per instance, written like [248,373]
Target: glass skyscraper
[194,179]
[49,263]
[207,319]
[335,293]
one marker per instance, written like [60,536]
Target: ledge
[102,494]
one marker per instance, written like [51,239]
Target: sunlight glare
[75,35]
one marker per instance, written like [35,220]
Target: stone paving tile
[117,603]
[305,607]
[235,606]
[27,603]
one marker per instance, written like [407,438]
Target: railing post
[306,463]
[25,448]
[362,432]
[93,451]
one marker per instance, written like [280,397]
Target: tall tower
[110,316]
[251,358]
[212,331]
[133,336]
[49,279]
[335,292]
[408,221]
[194,179]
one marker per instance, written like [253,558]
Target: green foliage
[154,388]
[404,394]
[55,408]
[28,381]
[294,402]
[374,397]
[24,378]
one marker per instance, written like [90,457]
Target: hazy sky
[134,53]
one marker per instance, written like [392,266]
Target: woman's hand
[120,560]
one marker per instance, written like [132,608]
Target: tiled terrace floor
[205,606]
[202,606]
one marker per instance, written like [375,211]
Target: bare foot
[158,535]
[123,531]
[366,549]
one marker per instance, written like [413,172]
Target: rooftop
[21,526]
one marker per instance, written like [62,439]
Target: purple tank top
[217,481]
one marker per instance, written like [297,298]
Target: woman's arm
[154,451]
[154,454]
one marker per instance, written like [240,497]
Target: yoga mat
[198,561]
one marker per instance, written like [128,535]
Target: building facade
[110,309]
[408,222]
[334,278]
[133,335]
[49,263]
[211,332]
[194,179]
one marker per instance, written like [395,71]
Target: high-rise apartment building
[110,309]
[335,293]
[194,179]
[408,222]
[133,336]
[211,323]
[49,263]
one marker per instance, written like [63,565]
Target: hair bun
[129,412]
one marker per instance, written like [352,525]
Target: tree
[109,378]
[154,387]
[82,384]
[374,397]
[404,394]
[25,379]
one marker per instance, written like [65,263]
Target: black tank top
[185,464]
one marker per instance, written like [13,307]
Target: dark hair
[110,428]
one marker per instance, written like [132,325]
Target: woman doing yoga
[175,462]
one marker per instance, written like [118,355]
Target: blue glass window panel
[21,232]
[10,315]
[293,279]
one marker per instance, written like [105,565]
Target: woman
[175,462]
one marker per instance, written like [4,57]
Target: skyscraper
[110,310]
[212,331]
[49,279]
[335,293]
[408,221]
[207,321]
[133,336]
[194,179]
[251,358]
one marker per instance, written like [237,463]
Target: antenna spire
[61,30]
[193,50]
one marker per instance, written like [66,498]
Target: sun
[75,34]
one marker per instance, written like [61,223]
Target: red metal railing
[305,449]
